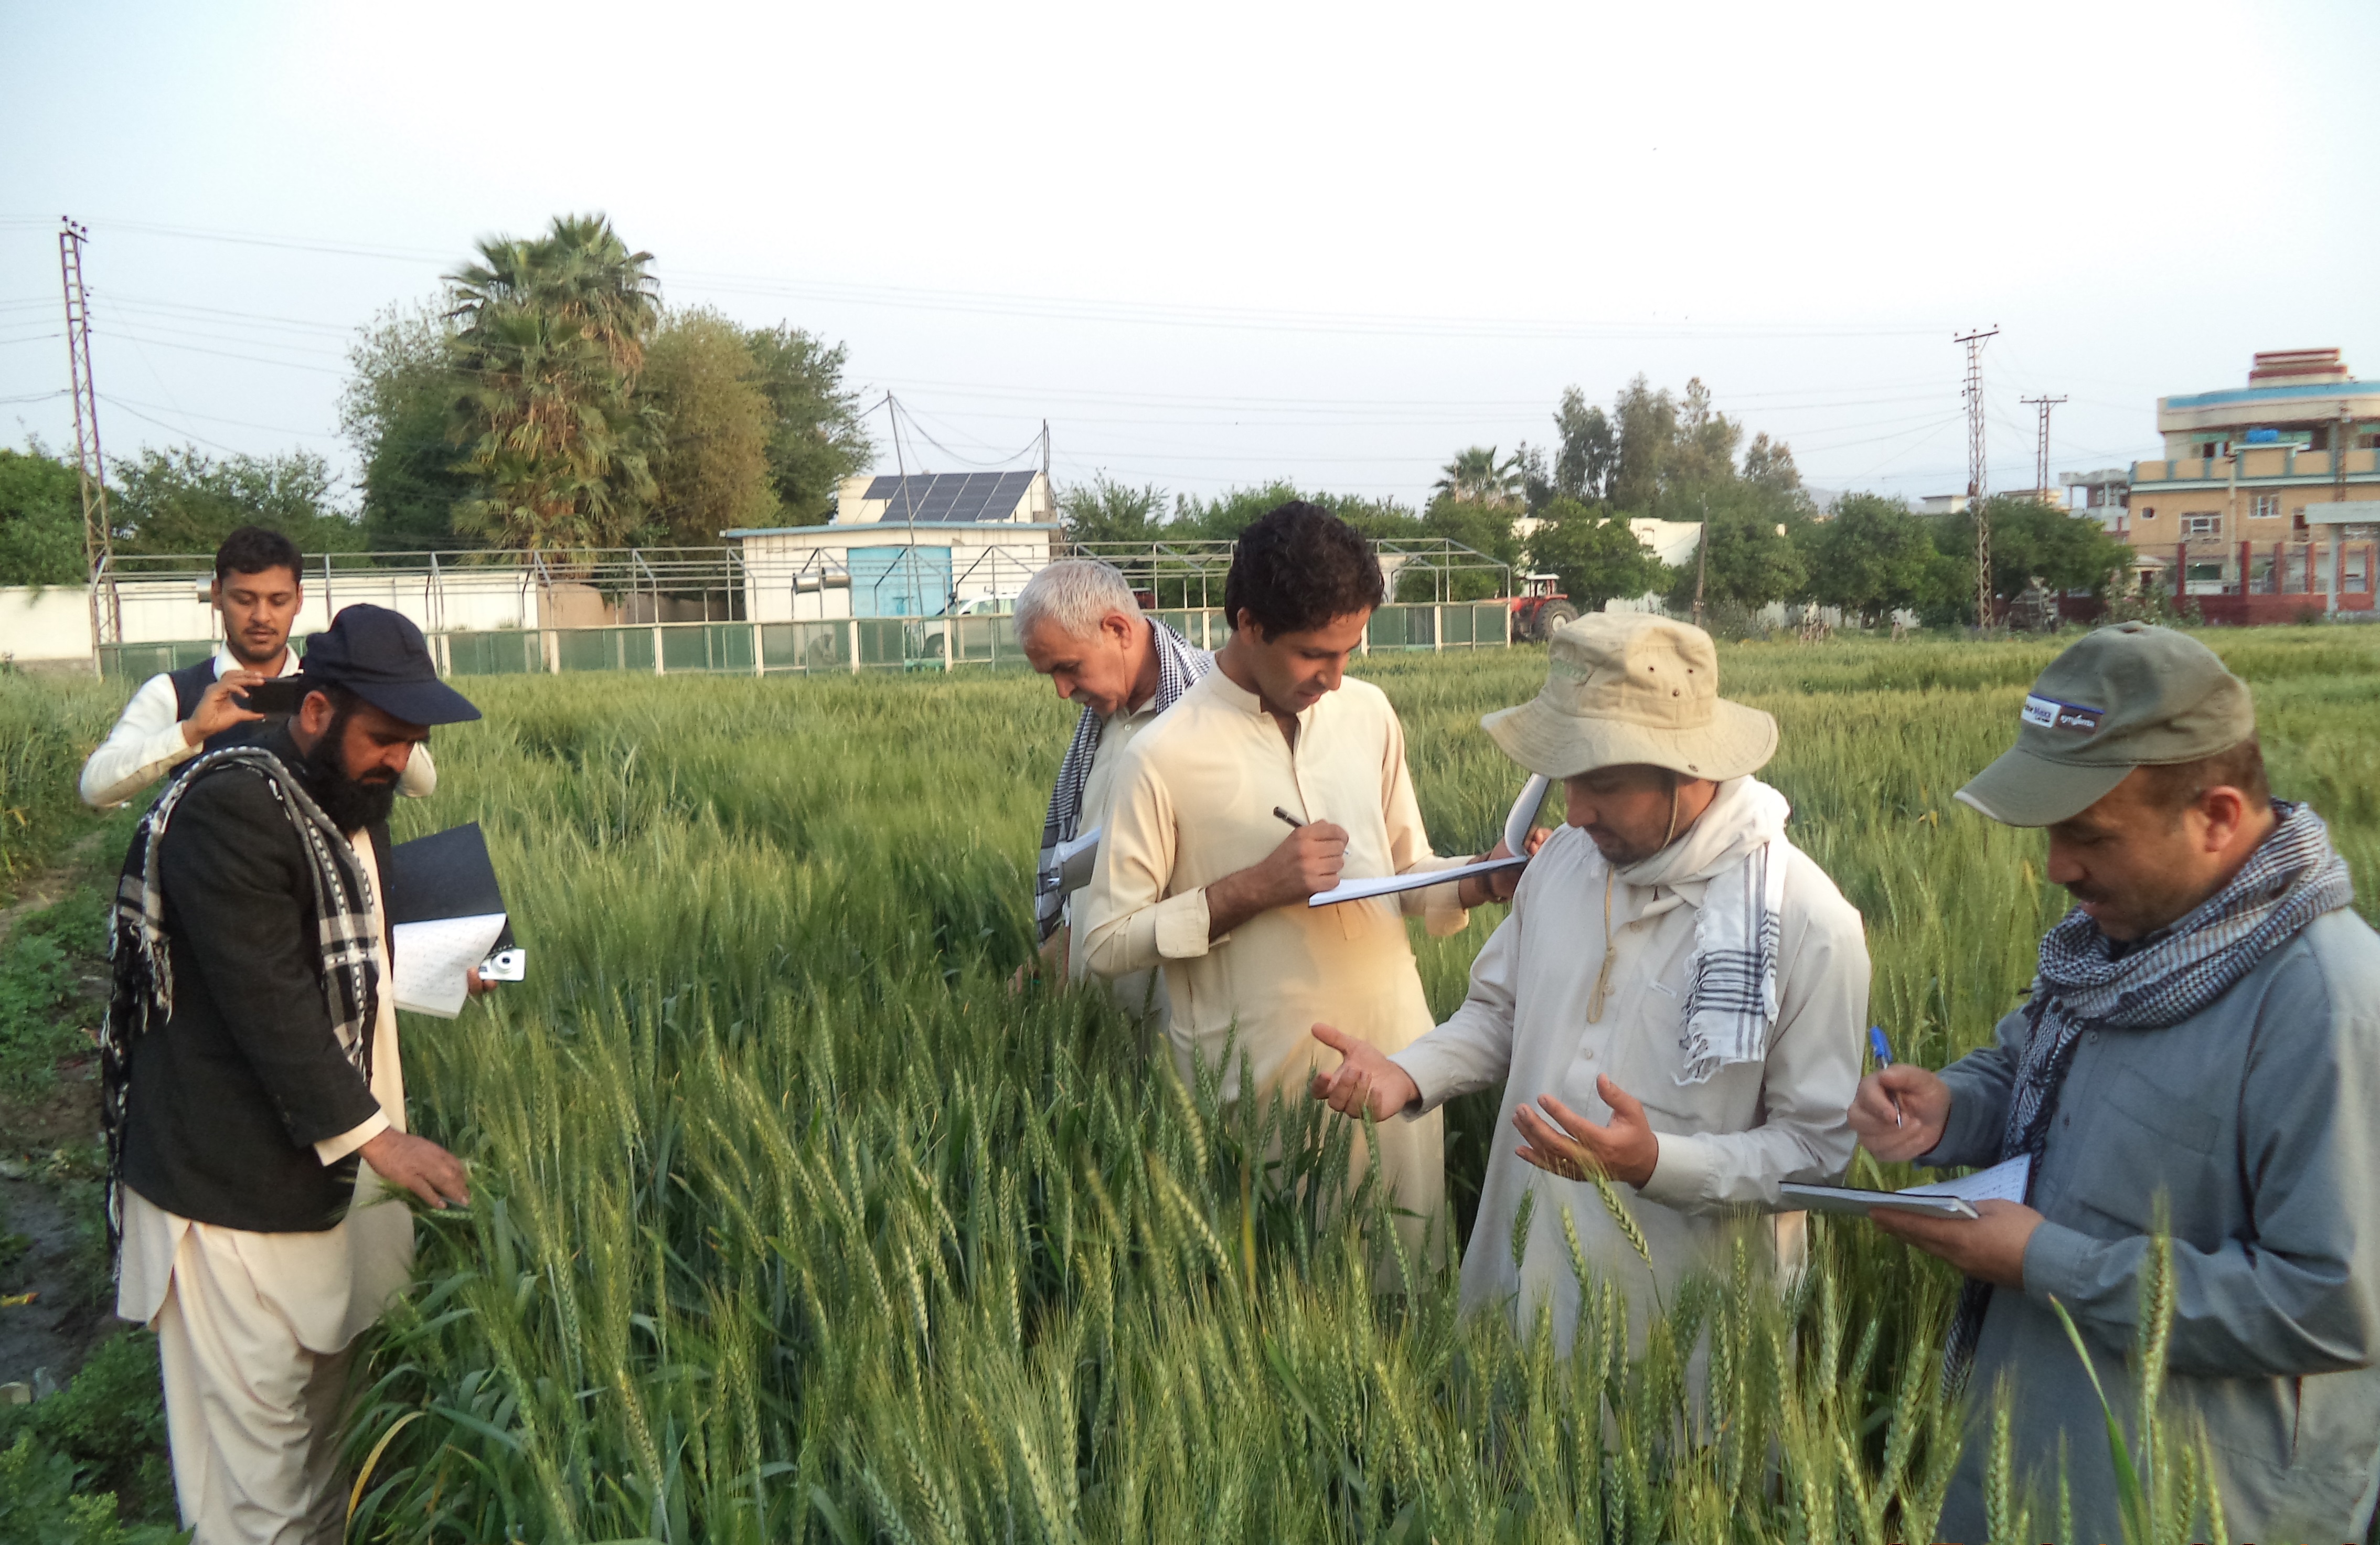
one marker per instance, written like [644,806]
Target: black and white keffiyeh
[1178,664]
[142,995]
[2293,877]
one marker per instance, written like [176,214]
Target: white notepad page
[432,956]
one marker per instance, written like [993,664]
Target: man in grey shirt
[2201,1044]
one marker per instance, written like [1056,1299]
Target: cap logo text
[2048,713]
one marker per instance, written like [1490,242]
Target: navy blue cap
[381,657]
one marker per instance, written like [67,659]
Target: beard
[352,803]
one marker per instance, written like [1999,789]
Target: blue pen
[1883,1050]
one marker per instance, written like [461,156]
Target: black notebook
[447,874]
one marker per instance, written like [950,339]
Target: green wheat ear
[1521,1215]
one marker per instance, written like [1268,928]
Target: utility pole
[1701,559]
[1975,489]
[908,505]
[2041,450]
[98,541]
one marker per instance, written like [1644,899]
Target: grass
[791,1223]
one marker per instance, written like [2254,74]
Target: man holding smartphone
[177,714]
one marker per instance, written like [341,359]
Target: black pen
[1286,816]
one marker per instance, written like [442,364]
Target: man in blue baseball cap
[250,1085]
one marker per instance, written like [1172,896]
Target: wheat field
[790,1222]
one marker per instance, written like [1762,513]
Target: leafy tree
[712,427]
[1873,557]
[2030,540]
[1770,463]
[41,520]
[396,411]
[1701,445]
[1588,451]
[1485,529]
[1595,553]
[1645,427]
[1752,559]
[1105,510]
[181,500]
[551,343]
[818,437]
[1224,516]
[1536,480]
[1475,474]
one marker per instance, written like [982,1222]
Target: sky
[1219,245]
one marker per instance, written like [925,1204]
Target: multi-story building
[2227,507]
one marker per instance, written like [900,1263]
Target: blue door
[899,581]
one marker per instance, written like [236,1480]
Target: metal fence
[847,645]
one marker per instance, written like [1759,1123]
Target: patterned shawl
[1178,664]
[2293,877]
[141,997]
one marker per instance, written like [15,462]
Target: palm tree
[550,339]
[1475,476]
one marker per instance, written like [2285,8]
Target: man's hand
[1989,1248]
[421,1167]
[1309,860]
[1627,1150]
[218,709]
[1049,958]
[1500,885]
[473,983]
[1363,1079]
[1899,1112]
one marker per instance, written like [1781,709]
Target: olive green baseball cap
[2128,696]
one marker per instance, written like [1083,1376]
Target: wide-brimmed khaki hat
[1631,688]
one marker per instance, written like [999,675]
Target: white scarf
[1733,851]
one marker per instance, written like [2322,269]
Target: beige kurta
[1194,802]
[1725,1143]
[1139,994]
[253,1328]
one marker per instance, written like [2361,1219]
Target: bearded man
[2200,1058]
[1675,1001]
[1080,625]
[251,1090]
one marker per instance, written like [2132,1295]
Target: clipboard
[1517,843]
[447,874]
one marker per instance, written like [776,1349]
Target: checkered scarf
[141,997]
[1178,664]
[2293,877]
[1736,848]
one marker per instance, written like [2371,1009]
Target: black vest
[190,684]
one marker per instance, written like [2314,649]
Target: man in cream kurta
[1684,1012]
[1272,756]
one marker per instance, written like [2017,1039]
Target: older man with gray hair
[1080,625]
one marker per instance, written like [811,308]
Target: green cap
[2128,696]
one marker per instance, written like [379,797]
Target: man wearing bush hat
[251,1087]
[1675,1001]
[2200,1053]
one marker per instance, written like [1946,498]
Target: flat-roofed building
[2227,505]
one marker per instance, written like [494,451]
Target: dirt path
[54,881]
[48,1208]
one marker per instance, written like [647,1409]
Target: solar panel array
[952,496]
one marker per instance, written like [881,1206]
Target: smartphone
[281,694]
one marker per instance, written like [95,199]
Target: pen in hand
[1286,816]
[1883,1050]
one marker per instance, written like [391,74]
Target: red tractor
[1540,608]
